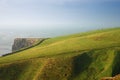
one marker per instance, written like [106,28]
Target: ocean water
[7,39]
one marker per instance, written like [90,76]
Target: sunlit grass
[76,56]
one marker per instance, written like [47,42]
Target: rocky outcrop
[107,78]
[21,43]
[117,77]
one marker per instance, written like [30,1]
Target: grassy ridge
[93,54]
[93,41]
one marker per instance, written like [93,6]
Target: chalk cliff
[20,43]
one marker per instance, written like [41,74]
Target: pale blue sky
[59,15]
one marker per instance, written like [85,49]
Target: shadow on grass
[81,63]
[116,66]
[12,71]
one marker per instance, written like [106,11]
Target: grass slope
[86,56]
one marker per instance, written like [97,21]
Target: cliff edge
[20,43]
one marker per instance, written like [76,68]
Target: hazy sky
[59,14]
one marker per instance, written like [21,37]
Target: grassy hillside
[85,56]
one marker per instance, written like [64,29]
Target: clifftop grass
[86,56]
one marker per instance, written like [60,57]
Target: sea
[7,38]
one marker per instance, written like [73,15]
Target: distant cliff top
[20,43]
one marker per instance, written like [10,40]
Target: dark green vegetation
[86,56]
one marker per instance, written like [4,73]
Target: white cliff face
[21,43]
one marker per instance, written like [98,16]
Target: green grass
[84,56]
